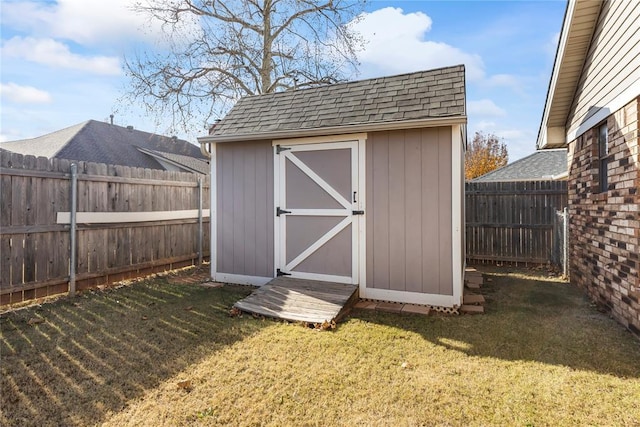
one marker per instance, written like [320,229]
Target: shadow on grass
[529,319]
[74,361]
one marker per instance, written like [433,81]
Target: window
[603,156]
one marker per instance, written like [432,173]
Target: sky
[62,61]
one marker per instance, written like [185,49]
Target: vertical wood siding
[513,221]
[408,212]
[612,64]
[34,248]
[245,209]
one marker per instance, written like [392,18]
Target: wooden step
[416,309]
[473,279]
[473,299]
[472,285]
[389,307]
[471,309]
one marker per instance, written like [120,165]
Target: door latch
[357,212]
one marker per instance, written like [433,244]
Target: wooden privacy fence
[129,222]
[514,221]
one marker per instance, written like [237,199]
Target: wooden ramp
[299,300]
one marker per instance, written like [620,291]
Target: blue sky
[62,60]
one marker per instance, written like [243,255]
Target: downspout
[205,149]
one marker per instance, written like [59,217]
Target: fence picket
[34,259]
[512,221]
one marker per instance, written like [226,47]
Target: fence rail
[158,231]
[513,221]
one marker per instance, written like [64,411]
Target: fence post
[565,246]
[72,229]
[199,221]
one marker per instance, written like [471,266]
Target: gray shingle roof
[46,145]
[541,165]
[417,96]
[100,142]
[185,162]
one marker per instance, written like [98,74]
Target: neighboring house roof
[46,145]
[541,165]
[100,142]
[179,160]
[613,76]
[425,98]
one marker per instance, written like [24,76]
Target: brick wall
[605,226]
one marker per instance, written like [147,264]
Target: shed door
[317,202]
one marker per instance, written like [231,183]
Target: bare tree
[217,51]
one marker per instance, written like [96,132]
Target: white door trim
[354,142]
[361,219]
[321,139]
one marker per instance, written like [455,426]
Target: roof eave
[336,130]
[159,158]
[554,135]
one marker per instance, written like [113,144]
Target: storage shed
[359,182]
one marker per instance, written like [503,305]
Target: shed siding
[612,64]
[244,173]
[409,245]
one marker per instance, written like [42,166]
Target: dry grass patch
[541,355]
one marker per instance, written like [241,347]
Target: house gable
[596,71]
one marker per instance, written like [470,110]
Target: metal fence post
[565,248]
[73,229]
[199,221]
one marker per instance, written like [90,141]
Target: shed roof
[100,142]
[401,101]
[541,165]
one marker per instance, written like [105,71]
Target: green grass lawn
[155,353]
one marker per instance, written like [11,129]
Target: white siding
[612,65]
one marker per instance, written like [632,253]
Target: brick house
[592,108]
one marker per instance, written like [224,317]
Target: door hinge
[281,273]
[281,211]
[357,212]
[280,149]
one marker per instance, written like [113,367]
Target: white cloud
[484,125]
[485,108]
[396,44]
[520,142]
[91,22]
[83,21]
[55,54]
[504,80]
[24,94]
